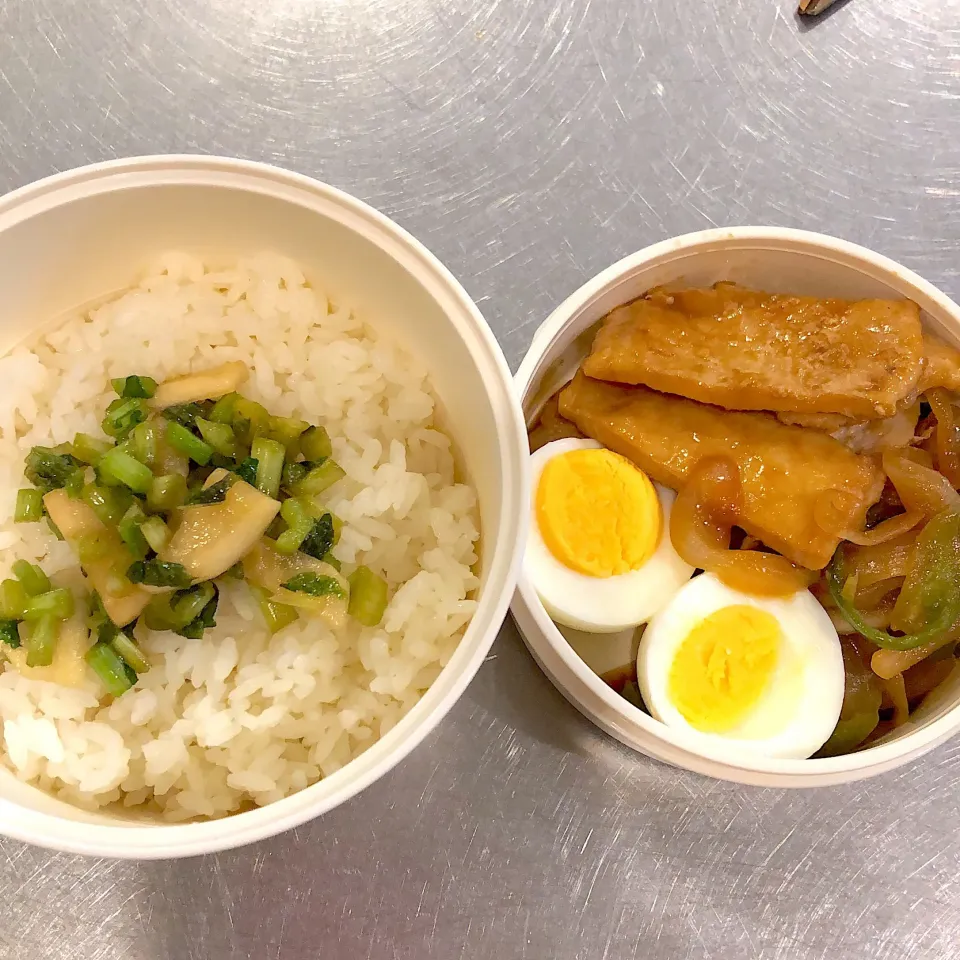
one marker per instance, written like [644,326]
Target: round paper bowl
[768,258]
[71,239]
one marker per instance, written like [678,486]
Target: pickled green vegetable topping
[9,633]
[128,515]
[321,537]
[41,640]
[123,415]
[107,664]
[156,573]
[34,580]
[215,493]
[368,596]
[186,414]
[134,386]
[315,585]
[119,468]
[29,506]
[247,470]
[48,470]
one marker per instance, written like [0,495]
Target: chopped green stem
[167,493]
[368,596]
[108,503]
[276,615]
[13,599]
[134,386]
[130,652]
[123,415]
[9,633]
[180,438]
[156,533]
[269,455]
[158,615]
[145,442]
[34,580]
[293,473]
[41,641]
[219,436]
[190,605]
[249,419]
[29,508]
[131,534]
[223,409]
[193,630]
[74,485]
[287,431]
[97,612]
[315,444]
[119,468]
[299,524]
[319,479]
[107,664]
[57,603]
[89,449]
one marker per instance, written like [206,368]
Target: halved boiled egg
[763,673]
[599,554]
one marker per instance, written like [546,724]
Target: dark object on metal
[810,8]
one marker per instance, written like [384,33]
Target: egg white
[601,604]
[801,706]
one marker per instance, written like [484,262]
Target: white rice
[240,716]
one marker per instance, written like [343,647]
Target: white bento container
[767,258]
[71,239]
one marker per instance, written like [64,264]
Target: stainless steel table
[529,143]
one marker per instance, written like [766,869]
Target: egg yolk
[723,667]
[598,514]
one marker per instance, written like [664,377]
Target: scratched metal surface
[529,143]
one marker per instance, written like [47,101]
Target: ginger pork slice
[784,469]
[941,365]
[746,350]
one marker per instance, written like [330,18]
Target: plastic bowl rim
[547,640]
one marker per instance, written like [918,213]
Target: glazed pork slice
[746,350]
[941,365]
[784,469]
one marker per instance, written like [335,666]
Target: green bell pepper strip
[931,585]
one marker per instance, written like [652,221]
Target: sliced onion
[704,513]
[833,505]
[921,489]
[947,437]
[926,676]
[872,595]
[888,663]
[897,692]
[879,619]
[881,561]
